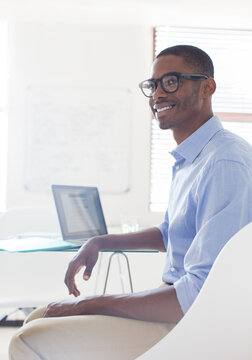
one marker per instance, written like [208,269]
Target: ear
[208,87]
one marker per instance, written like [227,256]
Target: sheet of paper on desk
[34,243]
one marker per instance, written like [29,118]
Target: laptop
[79,212]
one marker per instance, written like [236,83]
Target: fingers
[65,308]
[72,270]
[75,291]
[48,312]
[87,272]
[59,308]
[90,265]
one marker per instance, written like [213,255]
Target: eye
[149,85]
[169,82]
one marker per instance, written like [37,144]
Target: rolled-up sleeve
[222,196]
[163,228]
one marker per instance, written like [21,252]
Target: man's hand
[60,308]
[80,306]
[88,305]
[87,256]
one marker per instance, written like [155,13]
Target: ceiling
[227,13]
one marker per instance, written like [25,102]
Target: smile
[165,108]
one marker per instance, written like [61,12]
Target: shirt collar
[190,148]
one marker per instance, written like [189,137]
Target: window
[231,53]
[3,110]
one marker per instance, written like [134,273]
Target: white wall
[77,55]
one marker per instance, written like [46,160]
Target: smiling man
[210,200]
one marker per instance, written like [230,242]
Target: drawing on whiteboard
[76,137]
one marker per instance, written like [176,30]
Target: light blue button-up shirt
[210,200]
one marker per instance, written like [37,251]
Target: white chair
[218,326]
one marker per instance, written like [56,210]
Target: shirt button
[173,269]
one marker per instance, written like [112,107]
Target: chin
[163,125]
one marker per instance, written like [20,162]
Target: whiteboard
[77,136]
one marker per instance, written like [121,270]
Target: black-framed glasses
[169,82]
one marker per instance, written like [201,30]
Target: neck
[180,135]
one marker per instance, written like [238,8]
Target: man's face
[177,111]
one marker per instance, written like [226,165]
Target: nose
[159,92]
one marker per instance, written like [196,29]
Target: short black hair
[193,56]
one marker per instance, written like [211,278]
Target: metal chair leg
[108,269]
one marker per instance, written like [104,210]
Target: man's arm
[150,239]
[158,305]
[223,195]
[88,254]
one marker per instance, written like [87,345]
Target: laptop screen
[79,211]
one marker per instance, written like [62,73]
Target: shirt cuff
[163,229]
[186,292]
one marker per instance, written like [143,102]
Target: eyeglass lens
[148,87]
[168,82]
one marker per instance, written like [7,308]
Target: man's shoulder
[228,146]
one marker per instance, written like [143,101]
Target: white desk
[34,287]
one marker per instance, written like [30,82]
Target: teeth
[165,108]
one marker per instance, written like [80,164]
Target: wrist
[95,305]
[102,242]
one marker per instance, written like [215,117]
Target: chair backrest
[20,220]
[219,324]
